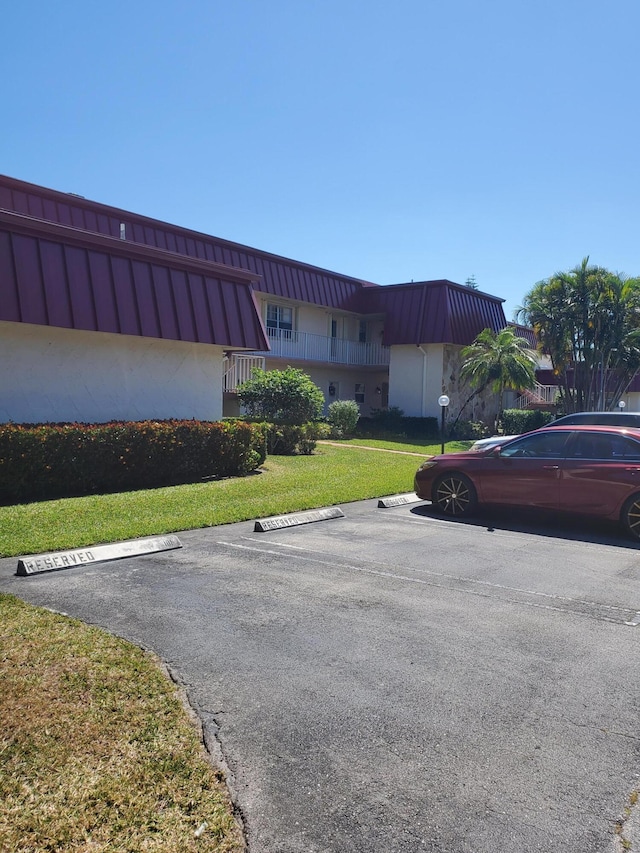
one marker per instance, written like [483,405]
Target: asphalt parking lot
[395,681]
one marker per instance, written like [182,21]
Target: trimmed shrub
[421,429]
[394,426]
[45,461]
[281,396]
[343,417]
[295,439]
[517,421]
[468,431]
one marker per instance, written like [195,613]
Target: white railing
[304,346]
[238,369]
[540,394]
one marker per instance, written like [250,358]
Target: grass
[97,753]
[407,446]
[331,476]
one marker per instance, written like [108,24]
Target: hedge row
[292,439]
[517,421]
[393,423]
[45,461]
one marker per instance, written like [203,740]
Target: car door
[600,471]
[526,472]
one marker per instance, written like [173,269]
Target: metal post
[443,402]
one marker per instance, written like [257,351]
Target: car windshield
[549,445]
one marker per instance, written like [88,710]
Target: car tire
[454,494]
[630,516]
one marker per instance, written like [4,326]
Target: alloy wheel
[454,494]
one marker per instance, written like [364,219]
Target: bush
[45,461]
[421,429]
[468,431]
[517,421]
[281,396]
[343,417]
[389,419]
[394,425]
[295,439]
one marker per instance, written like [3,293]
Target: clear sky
[391,141]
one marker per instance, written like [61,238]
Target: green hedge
[391,424]
[294,439]
[517,421]
[45,461]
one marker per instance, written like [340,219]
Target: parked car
[628,419]
[493,441]
[623,419]
[589,470]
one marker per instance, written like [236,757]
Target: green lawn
[332,475]
[98,753]
[408,446]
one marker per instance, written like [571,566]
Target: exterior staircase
[542,397]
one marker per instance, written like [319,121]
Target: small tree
[281,396]
[343,417]
[498,360]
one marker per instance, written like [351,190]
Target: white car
[488,443]
[624,419]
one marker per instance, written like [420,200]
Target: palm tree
[497,361]
[588,321]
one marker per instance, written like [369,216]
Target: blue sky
[391,141]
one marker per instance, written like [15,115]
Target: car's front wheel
[454,494]
[630,516]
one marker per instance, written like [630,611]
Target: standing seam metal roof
[60,276]
[434,312]
[417,312]
[279,276]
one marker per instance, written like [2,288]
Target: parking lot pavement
[394,681]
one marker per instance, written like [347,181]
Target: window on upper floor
[279,320]
[362,331]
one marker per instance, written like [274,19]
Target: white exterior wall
[415,379]
[51,374]
[313,319]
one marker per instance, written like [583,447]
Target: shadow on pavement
[541,523]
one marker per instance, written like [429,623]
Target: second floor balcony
[303,346]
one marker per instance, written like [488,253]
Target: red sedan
[590,470]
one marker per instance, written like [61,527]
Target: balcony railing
[540,395]
[238,368]
[303,346]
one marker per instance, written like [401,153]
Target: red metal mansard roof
[416,312]
[273,274]
[433,312]
[56,275]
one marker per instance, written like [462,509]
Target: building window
[362,331]
[279,320]
[359,395]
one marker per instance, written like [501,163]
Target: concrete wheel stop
[398,500]
[57,560]
[275,522]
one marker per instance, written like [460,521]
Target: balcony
[238,368]
[302,346]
